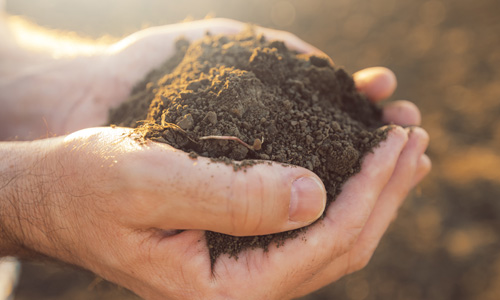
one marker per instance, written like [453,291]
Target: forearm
[27,186]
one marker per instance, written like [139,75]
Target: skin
[97,199]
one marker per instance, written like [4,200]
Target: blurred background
[446,53]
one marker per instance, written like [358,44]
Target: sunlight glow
[57,43]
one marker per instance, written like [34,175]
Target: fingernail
[308,200]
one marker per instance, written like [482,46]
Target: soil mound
[222,92]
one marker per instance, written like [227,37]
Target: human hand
[123,64]
[76,90]
[363,233]
[102,219]
[109,205]
[376,214]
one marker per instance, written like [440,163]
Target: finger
[186,193]
[377,83]
[349,213]
[392,196]
[390,199]
[159,43]
[423,168]
[383,213]
[197,29]
[338,231]
[291,41]
[403,113]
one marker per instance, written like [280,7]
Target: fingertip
[297,189]
[385,155]
[291,41]
[403,113]
[424,166]
[421,138]
[307,200]
[359,194]
[267,198]
[377,83]
[396,135]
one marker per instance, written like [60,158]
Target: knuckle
[351,233]
[245,207]
[362,262]
[359,261]
[351,237]
[362,253]
[259,204]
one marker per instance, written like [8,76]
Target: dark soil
[444,243]
[241,98]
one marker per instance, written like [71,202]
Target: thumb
[198,193]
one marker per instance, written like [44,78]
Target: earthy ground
[444,245]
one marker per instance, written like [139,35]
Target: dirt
[242,99]
[444,243]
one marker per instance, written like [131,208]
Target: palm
[86,107]
[256,273]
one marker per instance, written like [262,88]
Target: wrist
[27,190]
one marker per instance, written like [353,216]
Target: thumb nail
[308,200]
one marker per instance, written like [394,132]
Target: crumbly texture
[240,99]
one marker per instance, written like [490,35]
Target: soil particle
[186,122]
[291,108]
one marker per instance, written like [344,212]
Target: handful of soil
[241,97]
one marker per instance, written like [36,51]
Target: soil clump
[241,99]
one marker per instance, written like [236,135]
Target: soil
[242,99]
[444,243]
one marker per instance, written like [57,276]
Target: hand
[378,84]
[76,92]
[107,204]
[112,204]
[376,207]
[125,63]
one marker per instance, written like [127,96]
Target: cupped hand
[114,73]
[121,204]
[378,205]
[71,93]
[139,53]
[118,204]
